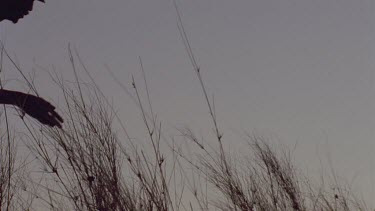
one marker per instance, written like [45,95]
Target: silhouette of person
[13,10]
[32,105]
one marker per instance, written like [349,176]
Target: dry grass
[88,166]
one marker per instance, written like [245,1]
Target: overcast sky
[299,71]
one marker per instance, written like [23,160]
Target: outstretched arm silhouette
[34,106]
[13,10]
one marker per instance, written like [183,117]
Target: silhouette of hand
[40,109]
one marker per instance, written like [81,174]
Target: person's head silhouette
[13,10]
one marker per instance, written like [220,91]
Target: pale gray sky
[298,70]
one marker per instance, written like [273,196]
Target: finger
[57,116]
[56,119]
[46,118]
[53,119]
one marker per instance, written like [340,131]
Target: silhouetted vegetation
[87,165]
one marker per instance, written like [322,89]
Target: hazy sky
[299,71]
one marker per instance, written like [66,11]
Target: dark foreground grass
[87,165]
